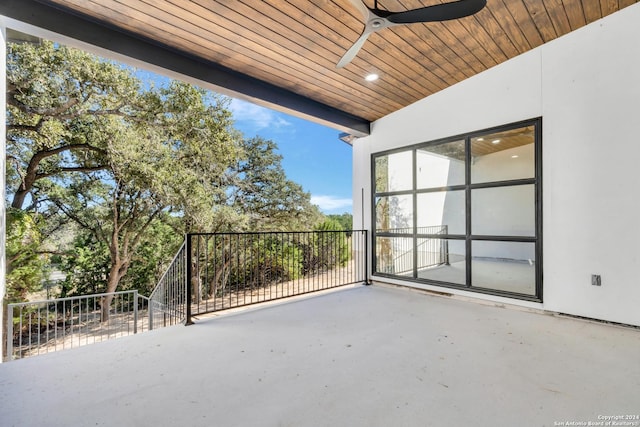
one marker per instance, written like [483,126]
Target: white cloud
[332,203]
[256,116]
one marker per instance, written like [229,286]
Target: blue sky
[313,156]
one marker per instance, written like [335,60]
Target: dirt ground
[230,298]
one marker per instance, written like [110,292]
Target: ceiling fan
[377,19]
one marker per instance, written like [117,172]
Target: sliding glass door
[463,212]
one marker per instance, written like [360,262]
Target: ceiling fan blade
[438,12]
[353,50]
[364,10]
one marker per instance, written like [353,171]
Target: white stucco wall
[586,88]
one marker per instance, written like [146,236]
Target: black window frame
[468,187]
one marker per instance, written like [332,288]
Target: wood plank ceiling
[295,44]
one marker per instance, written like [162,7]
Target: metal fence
[235,269]
[45,326]
[167,302]
[399,255]
[212,271]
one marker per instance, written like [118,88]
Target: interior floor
[518,277]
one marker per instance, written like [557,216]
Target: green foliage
[329,248]
[88,263]
[60,104]
[86,266]
[266,261]
[152,257]
[25,267]
[329,224]
[86,140]
[263,192]
[193,146]
[234,262]
[345,220]
[133,168]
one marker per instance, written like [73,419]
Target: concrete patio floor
[360,356]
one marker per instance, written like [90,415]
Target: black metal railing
[229,270]
[40,327]
[428,229]
[210,272]
[167,302]
[398,256]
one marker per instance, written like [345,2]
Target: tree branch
[52,252]
[69,213]
[12,100]
[53,151]
[59,112]
[136,239]
[72,169]
[34,128]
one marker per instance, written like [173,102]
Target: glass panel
[394,172]
[503,155]
[503,211]
[441,212]
[440,165]
[394,255]
[504,266]
[442,260]
[394,214]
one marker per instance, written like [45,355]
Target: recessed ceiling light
[495,141]
[515,156]
[480,139]
[372,77]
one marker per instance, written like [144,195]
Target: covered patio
[497,74]
[381,355]
[358,356]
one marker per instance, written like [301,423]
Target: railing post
[187,281]
[135,311]
[9,336]
[446,246]
[366,258]
[150,313]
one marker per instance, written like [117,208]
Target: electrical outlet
[596,280]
